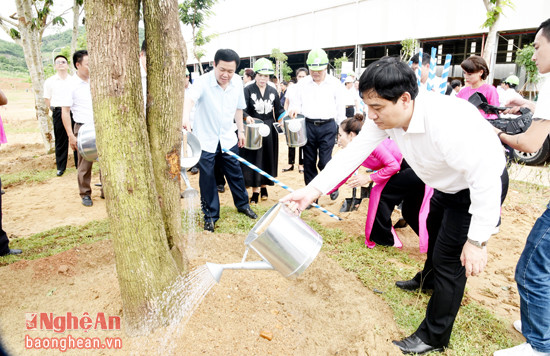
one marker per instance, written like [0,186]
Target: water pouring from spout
[283,241]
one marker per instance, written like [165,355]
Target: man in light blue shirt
[218,99]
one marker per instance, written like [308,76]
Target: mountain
[13,60]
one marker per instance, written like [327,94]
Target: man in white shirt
[320,98]
[439,137]
[79,102]
[218,98]
[301,73]
[532,272]
[55,87]
[351,98]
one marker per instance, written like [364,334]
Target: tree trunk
[489,53]
[145,266]
[195,50]
[74,35]
[166,57]
[31,40]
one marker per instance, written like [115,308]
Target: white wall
[254,28]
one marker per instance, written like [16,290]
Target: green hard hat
[512,79]
[317,59]
[263,66]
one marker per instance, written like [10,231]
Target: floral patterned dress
[266,107]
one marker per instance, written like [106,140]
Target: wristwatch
[477,243]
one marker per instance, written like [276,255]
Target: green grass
[477,331]
[57,240]
[11,129]
[14,74]
[32,176]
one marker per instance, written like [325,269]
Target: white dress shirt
[319,101]
[55,88]
[79,100]
[542,110]
[448,144]
[215,110]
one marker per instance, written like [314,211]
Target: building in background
[365,30]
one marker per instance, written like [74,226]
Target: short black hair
[475,64]
[78,56]
[62,56]
[302,69]
[227,55]
[455,83]
[144,47]
[545,28]
[425,58]
[389,78]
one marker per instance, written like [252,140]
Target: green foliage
[495,11]
[278,55]
[523,58]
[194,13]
[287,72]
[338,64]
[408,48]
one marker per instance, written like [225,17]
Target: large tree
[26,28]
[138,149]
[494,9]
[194,13]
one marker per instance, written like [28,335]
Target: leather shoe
[248,212]
[60,172]
[87,201]
[401,223]
[13,251]
[291,168]
[209,226]
[413,345]
[411,285]
[221,188]
[334,195]
[193,170]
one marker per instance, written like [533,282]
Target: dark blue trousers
[210,201]
[320,142]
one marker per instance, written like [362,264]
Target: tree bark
[31,39]
[491,42]
[74,35]
[145,266]
[166,57]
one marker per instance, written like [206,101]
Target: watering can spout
[217,269]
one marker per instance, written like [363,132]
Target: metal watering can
[254,133]
[283,241]
[85,142]
[295,131]
[189,156]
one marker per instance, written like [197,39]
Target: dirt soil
[326,311]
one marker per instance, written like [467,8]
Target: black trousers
[4,242]
[292,154]
[318,149]
[406,187]
[448,223]
[210,200]
[61,140]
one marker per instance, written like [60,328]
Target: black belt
[349,106]
[318,122]
[55,107]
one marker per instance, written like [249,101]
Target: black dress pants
[4,242]
[61,140]
[320,142]
[210,201]
[448,223]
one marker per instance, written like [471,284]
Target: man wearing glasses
[55,88]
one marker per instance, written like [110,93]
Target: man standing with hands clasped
[55,87]
[439,137]
[218,97]
[320,98]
